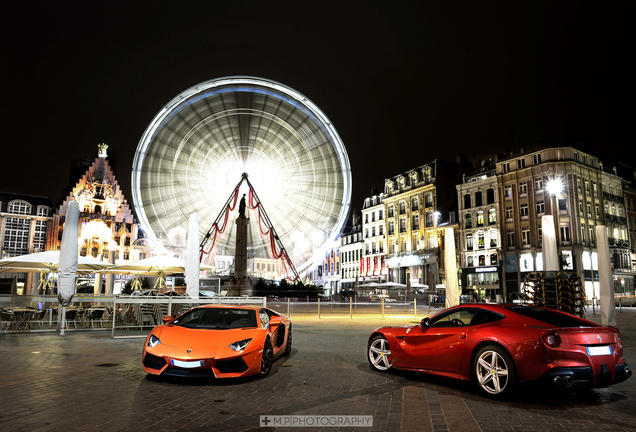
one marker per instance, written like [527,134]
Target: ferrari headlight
[240,345]
[153,341]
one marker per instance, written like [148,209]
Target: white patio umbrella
[160,266]
[46,263]
[193,261]
[605,278]
[68,260]
[450,267]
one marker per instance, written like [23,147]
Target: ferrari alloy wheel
[289,342]
[267,359]
[380,354]
[495,371]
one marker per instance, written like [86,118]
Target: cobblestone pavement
[86,381]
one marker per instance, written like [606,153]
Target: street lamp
[550,246]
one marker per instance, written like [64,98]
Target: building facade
[417,202]
[479,235]
[372,262]
[24,222]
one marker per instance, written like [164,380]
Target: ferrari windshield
[217,318]
[547,316]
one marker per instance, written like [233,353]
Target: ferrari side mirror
[167,318]
[425,322]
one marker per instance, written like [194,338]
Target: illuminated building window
[19,207]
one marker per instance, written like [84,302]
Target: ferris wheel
[197,148]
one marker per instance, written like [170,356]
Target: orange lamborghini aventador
[221,341]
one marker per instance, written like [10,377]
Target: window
[506,167]
[366,233]
[493,239]
[366,218]
[43,211]
[563,205]
[467,203]
[19,207]
[493,259]
[402,207]
[521,163]
[584,159]
[595,190]
[591,235]
[492,216]
[524,210]
[469,261]
[469,220]
[380,214]
[510,236]
[592,161]
[587,188]
[578,184]
[490,196]
[403,224]
[509,213]
[391,210]
[39,237]
[481,241]
[540,235]
[589,209]
[381,230]
[598,216]
[536,159]
[480,218]
[565,233]
[469,242]
[576,156]
[525,236]
[538,184]
[416,203]
[416,222]
[16,236]
[540,207]
[581,208]
[478,199]
[523,188]
[482,260]
[508,192]
[391,228]
[583,233]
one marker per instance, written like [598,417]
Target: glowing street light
[554,187]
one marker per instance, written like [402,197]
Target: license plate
[187,364]
[599,350]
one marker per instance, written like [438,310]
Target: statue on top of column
[242,207]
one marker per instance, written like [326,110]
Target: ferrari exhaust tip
[565,380]
[628,372]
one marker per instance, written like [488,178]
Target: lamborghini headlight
[240,345]
[153,341]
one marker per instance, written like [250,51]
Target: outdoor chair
[71,315]
[6,320]
[96,315]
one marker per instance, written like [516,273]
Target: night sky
[403,82]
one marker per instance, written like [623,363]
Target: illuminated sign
[485,269]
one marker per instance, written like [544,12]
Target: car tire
[379,354]
[494,371]
[266,359]
[288,348]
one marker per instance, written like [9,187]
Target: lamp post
[550,244]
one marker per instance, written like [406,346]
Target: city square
[89,381]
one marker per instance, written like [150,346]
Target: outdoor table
[22,316]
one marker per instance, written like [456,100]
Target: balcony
[611,197]
[618,242]
[616,219]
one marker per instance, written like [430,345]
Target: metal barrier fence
[89,312]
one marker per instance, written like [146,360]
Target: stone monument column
[240,284]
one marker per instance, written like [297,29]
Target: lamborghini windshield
[216,318]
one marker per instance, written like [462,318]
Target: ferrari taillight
[552,339]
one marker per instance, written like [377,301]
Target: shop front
[483,283]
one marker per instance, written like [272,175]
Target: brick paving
[86,381]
